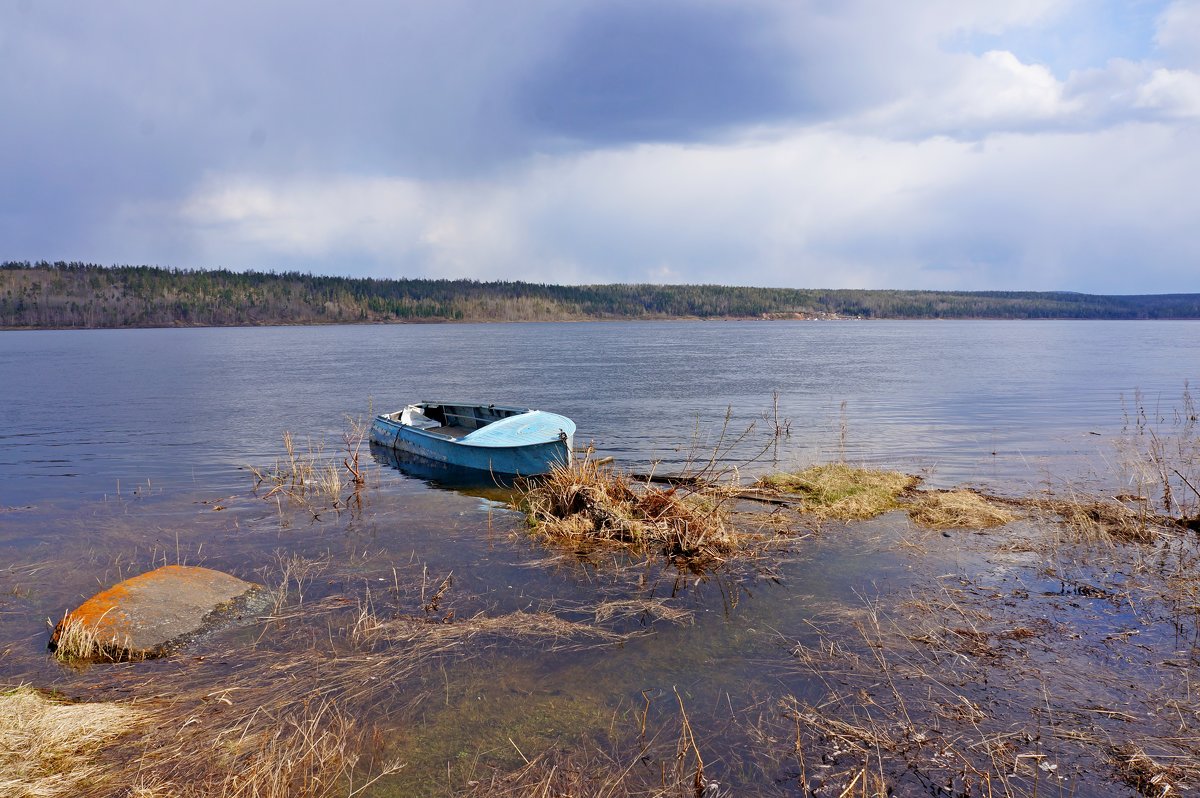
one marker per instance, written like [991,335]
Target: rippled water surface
[984,401]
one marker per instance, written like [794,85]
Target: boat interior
[452,421]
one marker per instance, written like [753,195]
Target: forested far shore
[84,295]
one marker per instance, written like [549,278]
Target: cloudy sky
[957,144]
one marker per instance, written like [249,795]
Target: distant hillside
[56,295]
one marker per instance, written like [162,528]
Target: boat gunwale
[568,429]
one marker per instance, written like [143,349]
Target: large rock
[148,615]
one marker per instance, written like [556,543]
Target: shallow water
[123,449]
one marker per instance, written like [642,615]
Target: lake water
[118,447]
[984,402]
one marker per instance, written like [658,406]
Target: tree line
[64,295]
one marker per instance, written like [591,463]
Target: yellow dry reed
[956,509]
[588,504]
[79,639]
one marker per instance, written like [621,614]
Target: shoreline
[605,320]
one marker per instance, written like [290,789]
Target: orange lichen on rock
[142,616]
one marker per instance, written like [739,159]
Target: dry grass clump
[956,509]
[587,504]
[1098,521]
[86,640]
[843,492]
[49,748]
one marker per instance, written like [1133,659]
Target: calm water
[115,446]
[989,402]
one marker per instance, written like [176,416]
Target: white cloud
[976,96]
[308,217]
[1178,34]
[1106,211]
[1173,92]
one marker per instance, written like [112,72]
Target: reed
[313,479]
[1159,451]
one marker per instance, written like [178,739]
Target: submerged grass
[660,766]
[843,492]
[309,748]
[891,711]
[283,722]
[989,687]
[945,693]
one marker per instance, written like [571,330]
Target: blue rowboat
[499,440]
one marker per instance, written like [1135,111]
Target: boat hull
[522,459]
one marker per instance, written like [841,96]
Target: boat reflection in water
[468,481]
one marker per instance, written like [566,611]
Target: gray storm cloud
[780,143]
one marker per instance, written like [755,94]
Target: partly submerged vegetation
[83,640]
[843,492]
[701,521]
[242,733]
[87,295]
[995,663]
[957,509]
[589,504]
[311,477]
